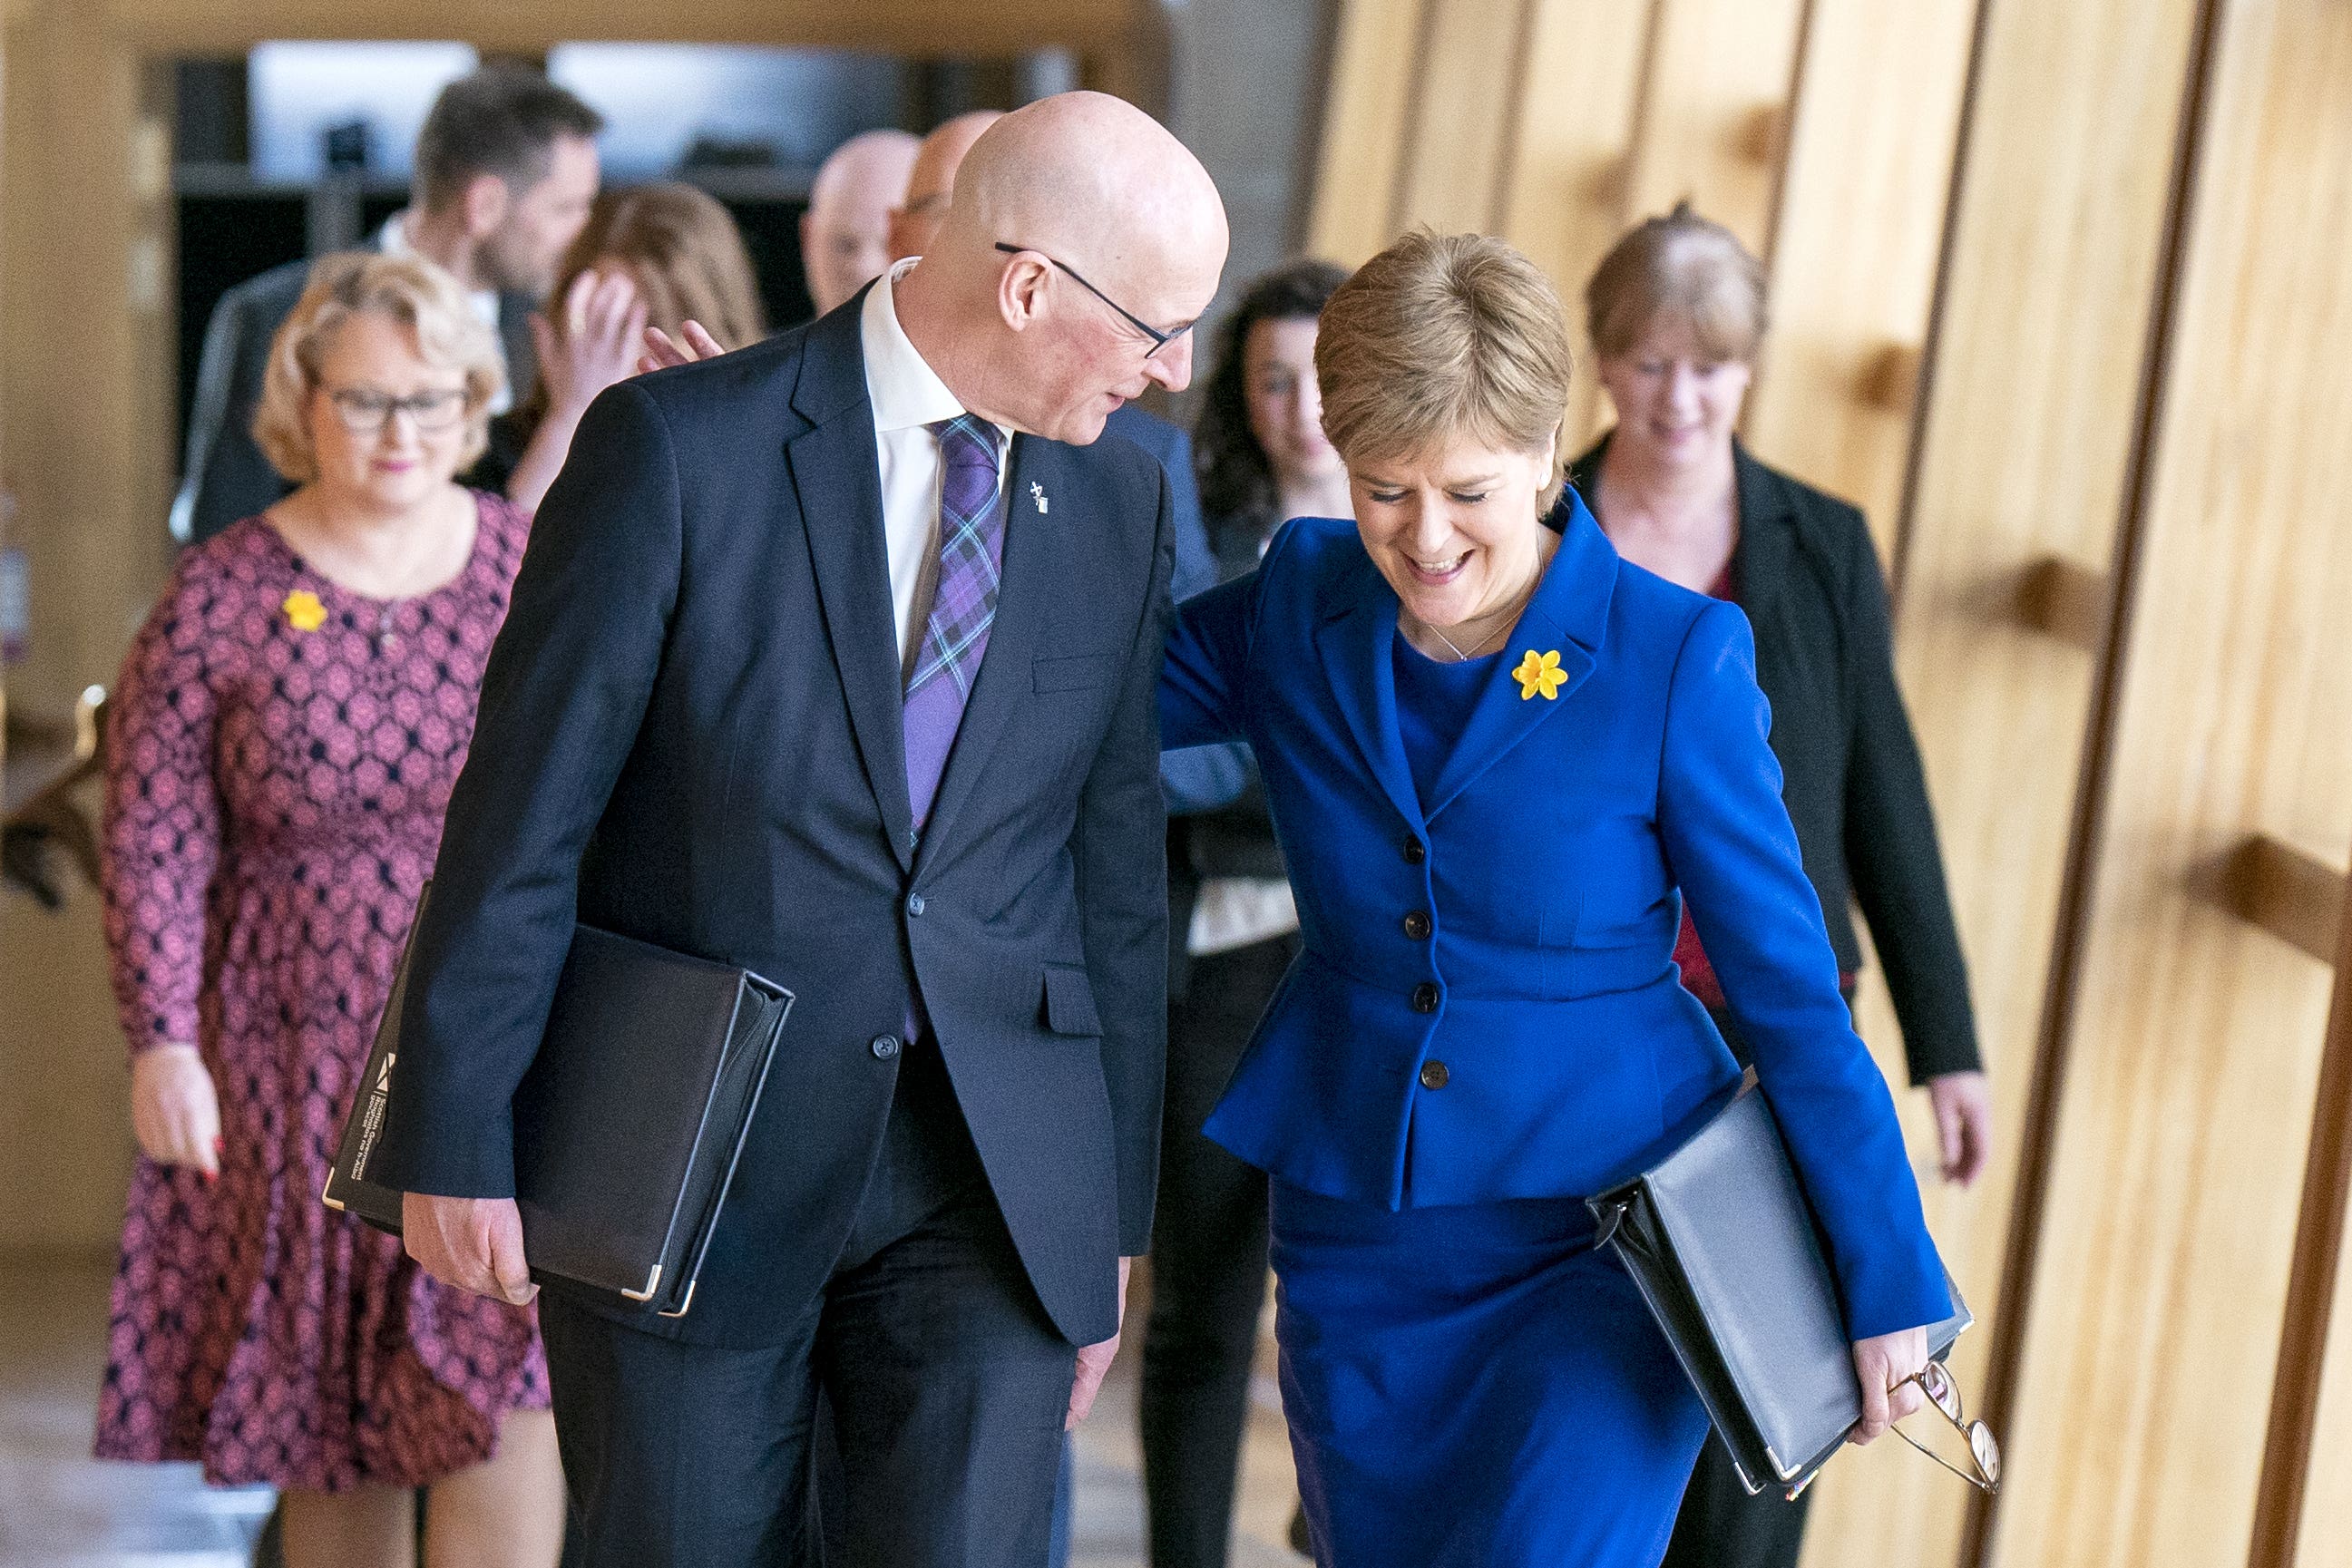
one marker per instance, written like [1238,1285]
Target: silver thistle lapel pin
[1037,493]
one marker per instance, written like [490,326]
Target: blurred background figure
[655,255]
[1677,314]
[1263,460]
[286,732]
[932,182]
[505,171]
[846,233]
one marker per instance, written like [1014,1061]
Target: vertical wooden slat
[1570,174]
[1456,145]
[2180,1143]
[2027,422]
[2292,1457]
[1714,125]
[1875,116]
[1709,123]
[1857,233]
[1375,64]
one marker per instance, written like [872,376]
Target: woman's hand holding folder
[473,1243]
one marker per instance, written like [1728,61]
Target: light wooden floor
[60,1508]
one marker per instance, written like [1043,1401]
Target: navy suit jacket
[1518,925]
[690,733]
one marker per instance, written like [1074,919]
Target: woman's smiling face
[1455,532]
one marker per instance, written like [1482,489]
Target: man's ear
[1021,291]
[487,203]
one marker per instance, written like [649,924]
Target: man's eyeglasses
[1937,1384]
[1159,339]
[365,412]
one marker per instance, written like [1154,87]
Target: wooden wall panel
[1374,62]
[1566,201]
[1713,115]
[1874,119]
[1473,65]
[2179,1148]
[2029,417]
[1710,125]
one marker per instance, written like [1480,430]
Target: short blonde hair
[1441,337]
[411,292]
[1679,268]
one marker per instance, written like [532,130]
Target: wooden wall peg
[2065,600]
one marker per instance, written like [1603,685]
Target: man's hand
[1094,1361]
[1963,1106]
[473,1243]
[662,352]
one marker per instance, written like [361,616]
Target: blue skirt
[1474,1386]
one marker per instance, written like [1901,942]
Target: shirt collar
[905,390]
[393,240]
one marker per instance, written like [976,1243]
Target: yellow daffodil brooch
[1540,673]
[303,611]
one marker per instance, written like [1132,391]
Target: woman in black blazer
[1677,314]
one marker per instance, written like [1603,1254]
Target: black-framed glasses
[1159,339]
[1935,1381]
[365,411]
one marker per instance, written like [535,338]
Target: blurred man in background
[844,234]
[505,171]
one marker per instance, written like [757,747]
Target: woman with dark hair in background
[651,257]
[1262,459]
[1676,316]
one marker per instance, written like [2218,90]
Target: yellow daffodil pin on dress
[303,611]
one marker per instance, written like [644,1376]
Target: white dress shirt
[908,396]
[393,241]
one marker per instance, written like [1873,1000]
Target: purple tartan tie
[972,555]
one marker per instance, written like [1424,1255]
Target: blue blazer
[1488,1005]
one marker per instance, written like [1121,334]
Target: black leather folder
[627,1125]
[1719,1236]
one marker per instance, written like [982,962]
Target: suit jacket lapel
[1760,556]
[1357,637]
[1036,547]
[1567,617]
[837,480]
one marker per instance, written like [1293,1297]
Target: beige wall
[2059,299]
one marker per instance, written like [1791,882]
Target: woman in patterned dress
[287,727]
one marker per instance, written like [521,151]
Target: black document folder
[1719,1236]
[627,1125]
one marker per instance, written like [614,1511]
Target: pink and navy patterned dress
[282,753]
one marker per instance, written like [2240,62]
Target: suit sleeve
[563,697]
[1203,689]
[1196,778]
[1732,849]
[1120,851]
[1891,847]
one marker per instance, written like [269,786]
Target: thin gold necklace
[1477,648]
[1493,637]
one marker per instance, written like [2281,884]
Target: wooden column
[91,465]
[2179,1130]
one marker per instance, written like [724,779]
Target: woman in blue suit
[1498,758]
